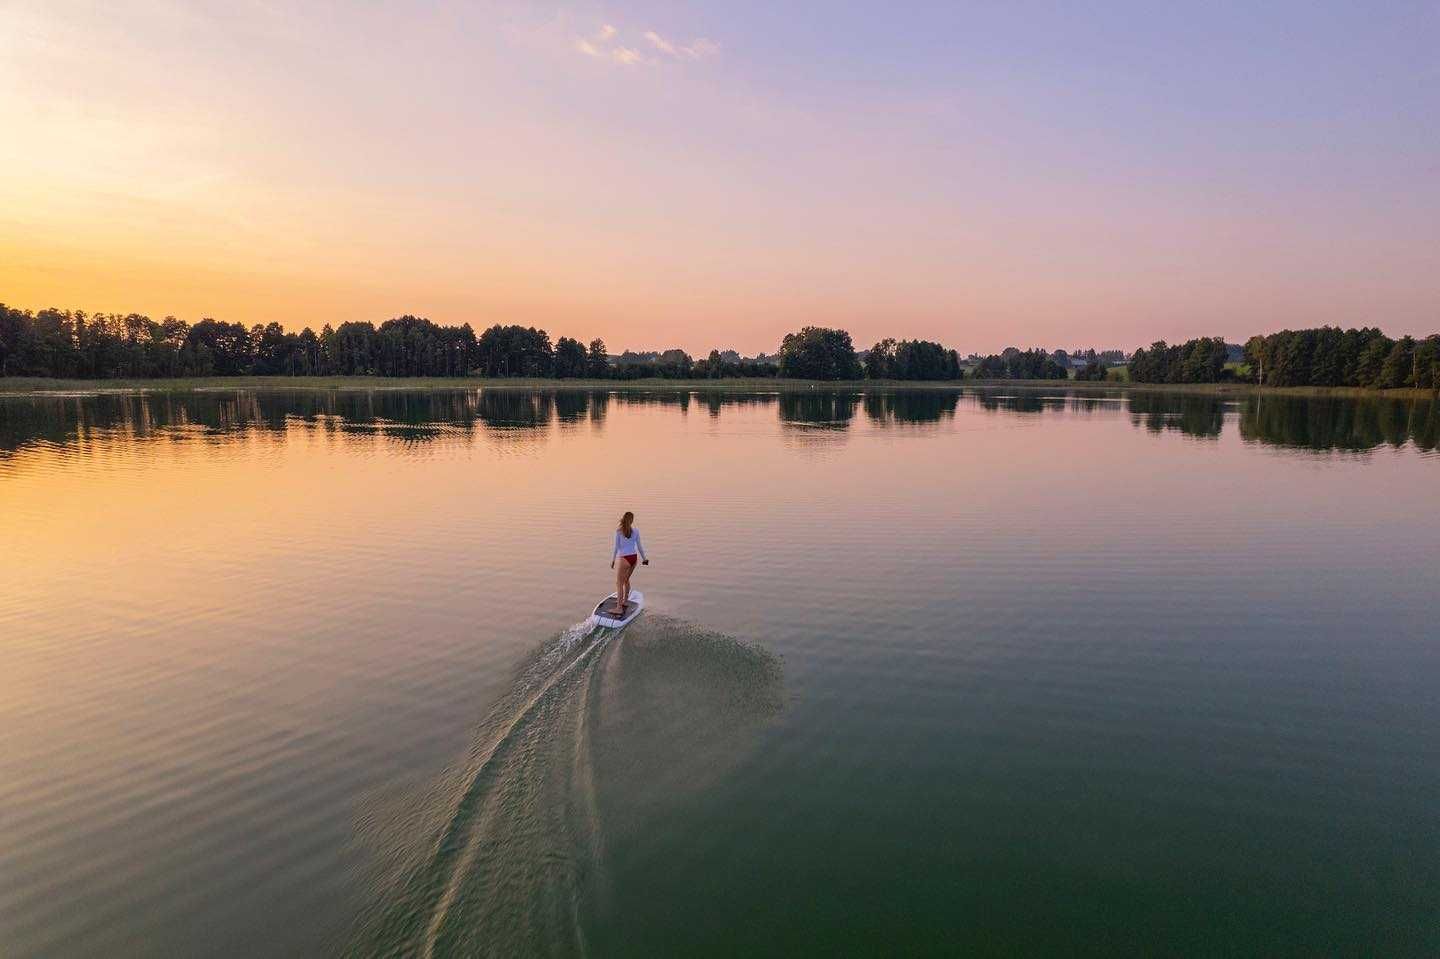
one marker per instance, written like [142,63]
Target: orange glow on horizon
[484,164]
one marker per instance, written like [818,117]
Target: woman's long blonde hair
[625,522]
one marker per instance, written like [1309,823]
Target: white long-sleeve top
[628,545]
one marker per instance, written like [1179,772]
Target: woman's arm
[641,548]
[616,551]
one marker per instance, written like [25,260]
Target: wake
[510,865]
[505,854]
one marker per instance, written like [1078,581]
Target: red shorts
[630,559]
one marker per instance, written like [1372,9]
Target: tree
[724,363]
[1425,373]
[1093,371]
[880,361]
[16,332]
[1152,365]
[1371,360]
[713,367]
[354,348]
[1199,360]
[1353,344]
[1257,355]
[307,359]
[167,344]
[414,346]
[1326,356]
[1294,359]
[923,360]
[990,367]
[327,350]
[1015,364]
[598,362]
[818,353]
[272,348]
[461,348]
[1203,360]
[675,364]
[225,347]
[1399,365]
[1326,360]
[514,351]
[570,358]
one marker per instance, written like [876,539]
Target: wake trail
[577,634]
[518,839]
[505,854]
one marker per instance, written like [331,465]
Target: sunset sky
[701,174]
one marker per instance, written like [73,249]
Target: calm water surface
[999,673]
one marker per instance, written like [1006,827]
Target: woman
[627,544]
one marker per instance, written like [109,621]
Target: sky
[713,174]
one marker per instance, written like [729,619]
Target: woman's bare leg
[622,592]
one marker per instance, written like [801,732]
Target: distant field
[33,385]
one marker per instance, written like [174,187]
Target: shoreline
[40,386]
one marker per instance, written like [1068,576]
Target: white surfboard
[605,614]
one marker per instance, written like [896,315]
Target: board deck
[605,610]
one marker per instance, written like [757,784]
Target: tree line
[1329,356]
[1324,356]
[1016,364]
[77,345]
[1200,360]
[73,344]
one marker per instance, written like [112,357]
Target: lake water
[920,673]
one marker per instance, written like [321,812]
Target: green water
[1003,673]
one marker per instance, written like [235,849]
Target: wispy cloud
[701,48]
[660,43]
[605,44]
[597,44]
[697,49]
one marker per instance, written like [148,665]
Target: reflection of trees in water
[1018,402]
[822,410]
[571,405]
[1334,423]
[680,400]
[25,420]
[993,401]
[1188,413]
[910,406]
[716,400]
[419,416]
[514,410]
[1094,402]
[1321,423]
[67,420]
[1312,422]
[416,415]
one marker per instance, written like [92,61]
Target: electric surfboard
[605,613]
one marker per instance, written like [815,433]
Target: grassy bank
[39,386]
